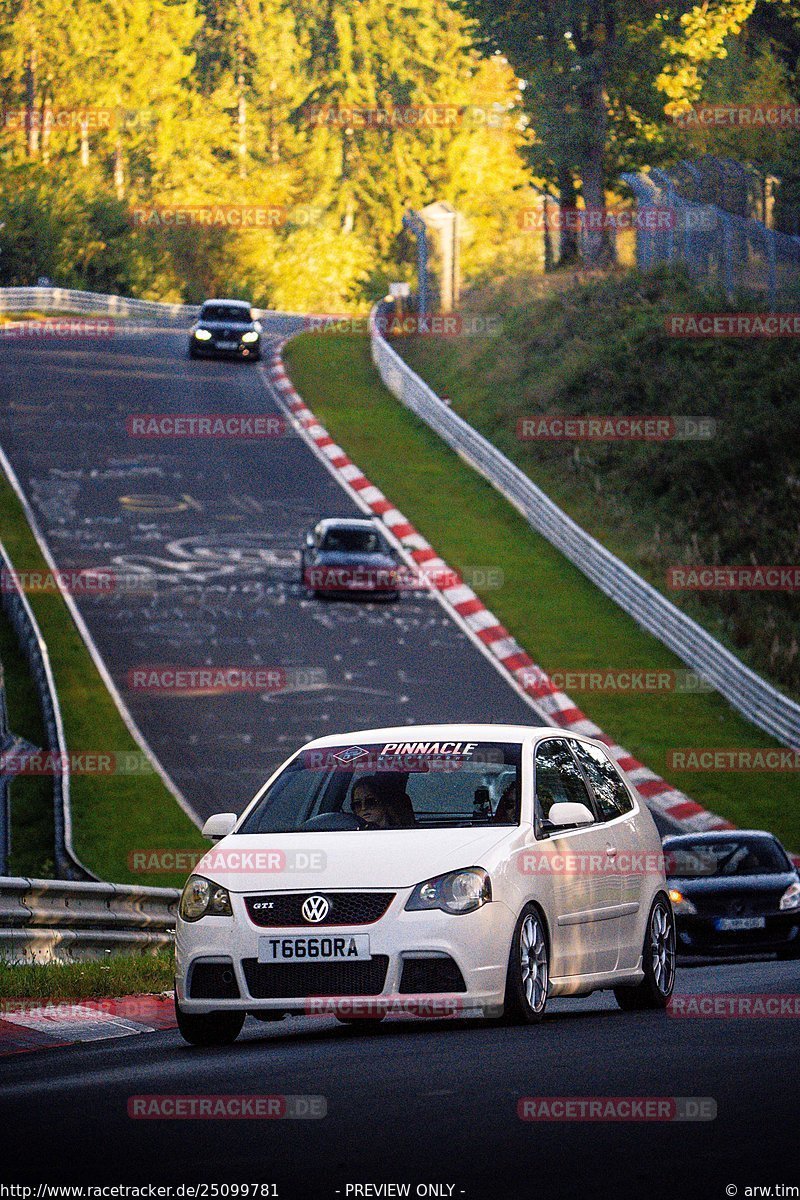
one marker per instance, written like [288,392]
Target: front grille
[347,908]
[272,981]
[736,904]
[213,981]
[429,975]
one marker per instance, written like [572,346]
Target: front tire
[209,1029]
[658,960]
[528,977]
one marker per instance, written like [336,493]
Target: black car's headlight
[250,336]
[682,904]
[202,335]
[456,892]
[790,899]
[201,898]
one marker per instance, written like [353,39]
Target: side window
[558,777]
[612,796]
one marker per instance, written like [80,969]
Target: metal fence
[123,308]
[26,628]
[737,253]
[45,920]
[752,696]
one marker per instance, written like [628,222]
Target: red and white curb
[27,1025]
[556,706]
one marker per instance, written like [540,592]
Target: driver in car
[378,806]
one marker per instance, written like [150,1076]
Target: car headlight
[791,897]
[456,892]
[202,335]
[681,904]
[201,898]
[250,336]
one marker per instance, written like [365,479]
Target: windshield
[733,856]
[236,314]
[351,541]
[411,785]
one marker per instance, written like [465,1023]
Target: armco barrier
[32,644]
[45,920]
[123,308]
[752,696]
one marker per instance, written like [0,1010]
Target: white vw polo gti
[427,869]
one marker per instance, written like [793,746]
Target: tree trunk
[568,252]
[31,116]
[84,142]
[119,174]
[599,248]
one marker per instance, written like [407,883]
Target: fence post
[5,800]
[772,273]
[727,253]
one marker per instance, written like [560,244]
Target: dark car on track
[227,329]
[344,556]
[733,892]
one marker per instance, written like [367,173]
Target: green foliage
[213,103]
[601,348]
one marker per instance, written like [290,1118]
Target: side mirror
[567,813]
[310,541]
[219,826]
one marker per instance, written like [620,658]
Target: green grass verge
[559,617]
[113,814]
[122,975]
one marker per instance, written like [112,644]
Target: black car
[733,892]
[349,556]
[226,328]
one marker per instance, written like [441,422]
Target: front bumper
[699,935]
[250,350]
[477,943]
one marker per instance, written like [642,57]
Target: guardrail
[18,610]
[48,920]
[67,300]
[746,691]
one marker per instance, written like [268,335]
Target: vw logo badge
[315,908]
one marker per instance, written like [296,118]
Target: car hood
[722,885]
[352,859]
[215,326]
[351,558]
